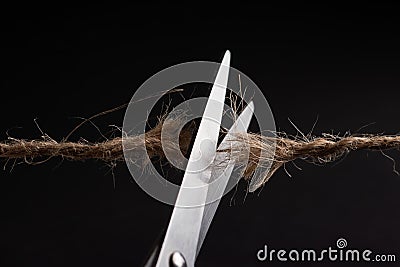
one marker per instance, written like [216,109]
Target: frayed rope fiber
[316,149]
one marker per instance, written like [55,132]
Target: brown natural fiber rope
[273,150]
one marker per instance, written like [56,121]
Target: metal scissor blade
[183,230]
[205,144]
[221,175]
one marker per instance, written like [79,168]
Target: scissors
[192,214]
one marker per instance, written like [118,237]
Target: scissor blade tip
[251,105]
[248,111]
[227,58]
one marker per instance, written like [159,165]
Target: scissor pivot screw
[177,260]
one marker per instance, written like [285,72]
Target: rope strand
[279,150]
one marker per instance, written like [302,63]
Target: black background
[340,64]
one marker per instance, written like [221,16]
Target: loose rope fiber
[276,151]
